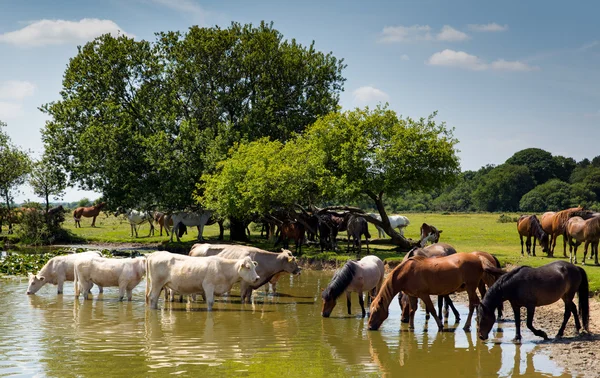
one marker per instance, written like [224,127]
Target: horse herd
[576,226]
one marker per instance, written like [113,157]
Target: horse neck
[536,228]
[392,285]
[494,296]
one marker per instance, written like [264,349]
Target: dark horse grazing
[88,212]
[421,277]
[529,226]
[533,287]
[355,226]
[354,276]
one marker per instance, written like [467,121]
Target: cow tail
[584,305]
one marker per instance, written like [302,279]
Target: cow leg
[60,284]
[209,292]
[348,302]
[244,288]
[100,289]
[362,303]
[122,288]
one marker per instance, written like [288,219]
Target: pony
[328,229]
[529,226]
[421,277]
[355,276]
[579,230]
[431,251]
[88,212]
[198,219]
[291,230]
[533,287]
[137,218]
[554,225]
[429,233]
[396,221]
[356,226]
[159,218]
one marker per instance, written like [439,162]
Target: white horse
[199,219]
[396,221]
[137,218]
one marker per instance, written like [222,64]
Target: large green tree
[501,189]
[141,121]
[341,157]
[556,195]
[540,163]
[15,165]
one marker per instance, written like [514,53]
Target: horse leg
[412,304]
[575,316]
[517,312]
[440,304]
[528,244]
[567,315]
[595,249]
[585,249]
[534,241]
[429,307]
[554,237]
[564,244]
[473,303]
[537,332]
[362,303]
[522,252]
[450,304]
[575,252]
[348,302]
[94,221]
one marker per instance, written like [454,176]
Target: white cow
[125,274]
[190,275]
[190,220]
[396,221]
[58,270]
[137,218]
[207,249]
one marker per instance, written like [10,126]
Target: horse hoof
[559,336]
[467,329]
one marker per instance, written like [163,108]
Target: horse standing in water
[355,276]
[88,212]
[421,277]
[529,226]
[533,287]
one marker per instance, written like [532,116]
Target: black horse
[532,287]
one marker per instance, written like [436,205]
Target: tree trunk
[221,229]
[47,209]
[397,239]
[237,230]
[8,214]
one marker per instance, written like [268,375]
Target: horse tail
[490,272]
[584,300]
[497,262]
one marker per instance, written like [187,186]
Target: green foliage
[37,228]
[19,264]
[84,202]
[47,180]
[556,195]
[540,163]
[507,219]
[15,165]
[141,121]
[502,188]
[589,177]
[564,167]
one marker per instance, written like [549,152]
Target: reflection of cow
[58,270]
[190,275]
[125,274]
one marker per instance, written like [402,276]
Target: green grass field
[466,232]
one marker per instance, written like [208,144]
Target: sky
[506,75]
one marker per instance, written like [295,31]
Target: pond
[284,335]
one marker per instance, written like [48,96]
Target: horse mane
[536,227]
[493,297]
[593,223]
[561,218]
[418,258]
[340,281]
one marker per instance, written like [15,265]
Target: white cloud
[9,110]
[404,57]
[185,6]
[16,90]
[460,59]
[491,27]
[55,32]
[449,34]
[369,95]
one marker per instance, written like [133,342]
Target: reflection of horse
[431,251]
[579,230]
[88,212]
[529,226]
[429,233]
[532,287]
[355,226]
[396,221]
[421,277]
[554,224]
[355,276]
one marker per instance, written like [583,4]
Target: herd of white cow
[209,270]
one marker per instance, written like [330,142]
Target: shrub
[507,219]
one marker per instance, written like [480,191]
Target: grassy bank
[466,232]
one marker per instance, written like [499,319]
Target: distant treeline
[532,180]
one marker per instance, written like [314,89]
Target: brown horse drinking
[529,226]
[355,276]
[421,277]
[533,287]
[88,212]
[579,230]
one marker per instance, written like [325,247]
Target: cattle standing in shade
[190,275]
[125,274]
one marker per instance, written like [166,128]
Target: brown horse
[421,277]
[88,212]
[529,226]
[429,233]
[554,224]
[292,230]
[579,230]
[160,219]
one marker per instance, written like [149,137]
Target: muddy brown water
[57,336]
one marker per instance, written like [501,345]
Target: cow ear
[290,259]
[41,278]
[255,263]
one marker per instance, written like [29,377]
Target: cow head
[247,270]
[290,264]
[35,283]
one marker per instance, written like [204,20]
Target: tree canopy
[141,121]
[47,180]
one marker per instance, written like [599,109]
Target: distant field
[466,232]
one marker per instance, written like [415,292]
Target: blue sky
[506,74]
